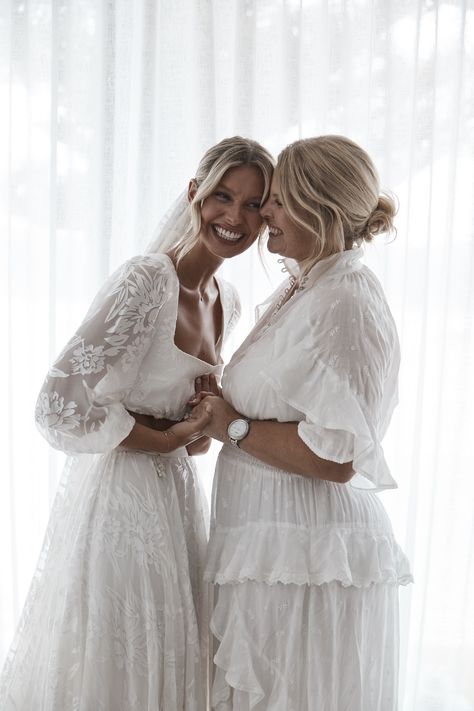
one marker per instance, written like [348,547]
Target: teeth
[274,230]
[226,234]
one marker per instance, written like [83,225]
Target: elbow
[337,472]
[345,473]
[319,468]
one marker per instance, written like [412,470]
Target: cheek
[206,215]
[256,223]
[210,211]
[306,245]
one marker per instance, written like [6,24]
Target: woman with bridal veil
[112,621]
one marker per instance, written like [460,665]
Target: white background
[106,108]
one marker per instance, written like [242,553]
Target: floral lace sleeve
[79,408]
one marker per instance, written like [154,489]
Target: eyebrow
[223,186]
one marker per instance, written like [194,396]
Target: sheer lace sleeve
[79,408]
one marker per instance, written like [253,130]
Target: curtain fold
[106,109]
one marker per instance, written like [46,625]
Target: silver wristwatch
[238,429]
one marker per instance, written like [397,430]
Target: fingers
[197,398]
[202,418]
[213,385]
[201,411]
[206,383]
[201,383]
[192,428]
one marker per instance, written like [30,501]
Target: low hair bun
[381,218]
[330,187]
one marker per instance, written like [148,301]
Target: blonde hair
[228,153]
[329,186]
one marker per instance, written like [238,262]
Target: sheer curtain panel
[106,108]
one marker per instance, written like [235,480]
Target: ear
[192,189]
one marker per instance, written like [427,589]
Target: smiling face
[285,237]
[230,216]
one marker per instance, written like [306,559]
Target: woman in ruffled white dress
[111,622]
[302,555]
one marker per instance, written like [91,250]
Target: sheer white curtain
[106,108]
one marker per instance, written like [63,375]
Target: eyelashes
[224,197]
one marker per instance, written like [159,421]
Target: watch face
[238,429]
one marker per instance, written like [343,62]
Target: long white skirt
[306,575]
[110,621]
[305,648]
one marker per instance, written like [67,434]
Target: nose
[234,213]
[265,210]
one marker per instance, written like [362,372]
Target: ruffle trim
[352,555]
[267,638]
[336,427]
[238,674]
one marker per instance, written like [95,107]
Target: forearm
[199,446]
[149,440]
[180,434]
[278,444]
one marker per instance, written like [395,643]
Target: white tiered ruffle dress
[306,571]
[111,620]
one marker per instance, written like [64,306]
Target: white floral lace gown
[110,621]
[306,571]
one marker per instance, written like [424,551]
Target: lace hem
[352,555]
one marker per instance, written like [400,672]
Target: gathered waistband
[236,455]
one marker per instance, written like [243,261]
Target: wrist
[237,429]
[171,441]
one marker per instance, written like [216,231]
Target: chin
[274,249]
[224,251]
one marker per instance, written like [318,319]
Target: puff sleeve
[80,407]
[339,369]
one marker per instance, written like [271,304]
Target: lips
[227,235]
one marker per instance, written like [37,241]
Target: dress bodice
[327,359]
[124,357]
[166,379]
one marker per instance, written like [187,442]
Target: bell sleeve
[340,372]
[80,407]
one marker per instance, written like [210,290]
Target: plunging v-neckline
[218,343]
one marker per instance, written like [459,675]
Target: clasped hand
[209,405]
[208,416]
